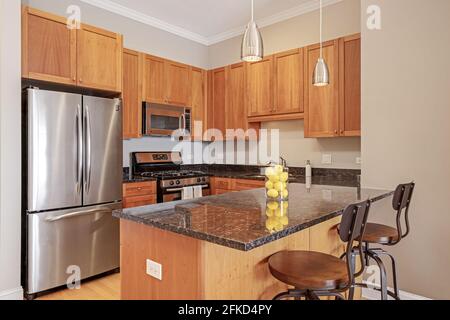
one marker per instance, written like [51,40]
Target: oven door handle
[181,189]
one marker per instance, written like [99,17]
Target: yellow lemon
[279,186]
[269,213]
[269,225]
[279,227]
[284,177]
[270,172]
[274,178]
[279,169]
[273,205]
[272,193]
[269,185]
[278,212]
[285,194]
[284,221]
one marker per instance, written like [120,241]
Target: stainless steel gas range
[166,168]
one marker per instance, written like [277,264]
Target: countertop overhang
[238,220]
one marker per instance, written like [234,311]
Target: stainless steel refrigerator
[74,182]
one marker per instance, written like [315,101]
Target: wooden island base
[196,270]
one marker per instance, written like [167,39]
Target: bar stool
[384,235]
[314,274]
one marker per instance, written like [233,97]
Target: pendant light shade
[321,76]
[252,43]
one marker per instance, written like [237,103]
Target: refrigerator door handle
[78,214]
[79,149]
[88,167]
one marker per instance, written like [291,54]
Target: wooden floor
[107,288]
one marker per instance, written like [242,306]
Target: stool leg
[351,291]
[383,278]
[394,276]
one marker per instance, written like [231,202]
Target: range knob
[199,180]
[204,179]
[172,183]
[178,182]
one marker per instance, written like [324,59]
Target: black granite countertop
[334,177]
[244,220]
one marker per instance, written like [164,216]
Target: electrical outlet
[154,269]
[358,160]
[327,159]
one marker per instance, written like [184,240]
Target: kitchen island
[217,247]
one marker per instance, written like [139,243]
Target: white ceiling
[207,21]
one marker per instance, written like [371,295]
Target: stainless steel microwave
[163,120]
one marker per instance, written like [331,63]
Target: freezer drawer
[87,238]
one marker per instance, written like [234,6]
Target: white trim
[13,294]
[370,294]
[111,6]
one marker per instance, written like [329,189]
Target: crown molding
[146,19]
[113,7]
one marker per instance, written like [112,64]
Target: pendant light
[252,43]
[321,75]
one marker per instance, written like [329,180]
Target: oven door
[161,120]
[176,194]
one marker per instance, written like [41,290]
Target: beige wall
[10,150]
[340,19]
[406,110]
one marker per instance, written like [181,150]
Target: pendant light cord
[253,10]
[321,30]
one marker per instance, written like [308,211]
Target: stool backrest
[351,230]
[401,203]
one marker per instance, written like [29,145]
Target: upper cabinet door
[260,87]
[236,115]
[350,86]
[99,59]
[48,48]
[131,94]
[322,103]
[218,99]
[289,82]
[154,80]
[178,83]
[198,101]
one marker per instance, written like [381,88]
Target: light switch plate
[154,269]
[358,160]
[327,159]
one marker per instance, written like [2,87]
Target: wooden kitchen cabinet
[139,194]
[288,84]
[153,85]
[322,103]
[198,102]
[350,86]
[165,82]
[177,83]
[260,87]
[89,57]
[131,94]
[99,59]
[217,100]
[335,110]
[49,48]
[221,185]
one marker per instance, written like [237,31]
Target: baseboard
[13,294]
[370,294]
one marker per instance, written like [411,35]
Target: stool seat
[380,234]
[307,270]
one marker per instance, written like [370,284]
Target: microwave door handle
[183,116]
